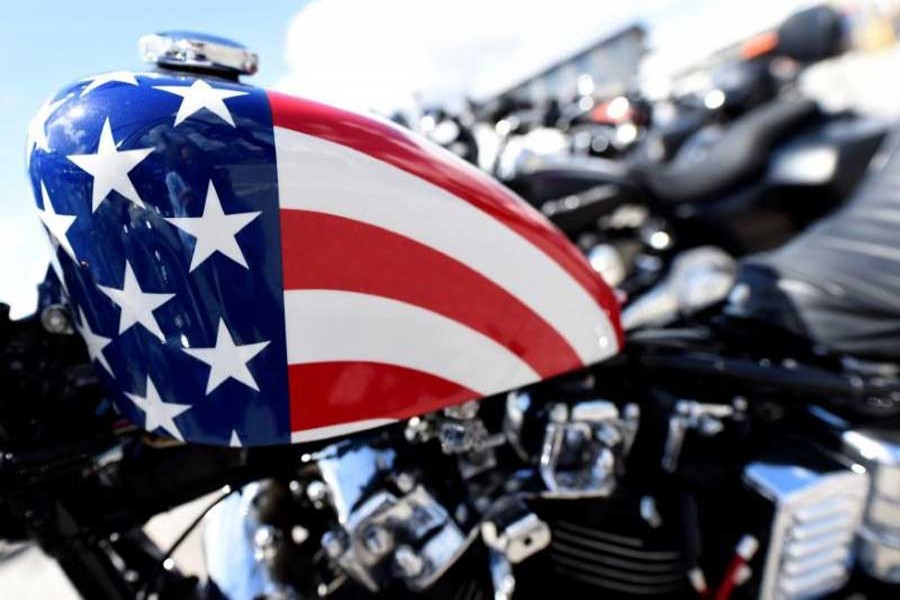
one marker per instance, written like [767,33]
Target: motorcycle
[403,381]
[752,169]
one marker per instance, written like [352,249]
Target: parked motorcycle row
[738,167]
[660,361]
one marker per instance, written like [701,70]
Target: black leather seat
[838,283]
[552,178]
[741,152]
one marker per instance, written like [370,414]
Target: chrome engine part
[707,419]
[518,538]
[879,540]
[554,492]
[512,535]
[410,537]
[404,534]
[607,261]
[698,278]
[583,447]
[816,514]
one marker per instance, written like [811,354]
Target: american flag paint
[249,268]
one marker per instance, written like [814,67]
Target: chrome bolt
[377,540]
[559,413]
[55,319]
[263,537]
[408,562]
[649,512]
[299,534]
[417,430]
[461,513]
[463,412]
[405,482]
[316,491]
[710,426]
[333,544]
[632,412]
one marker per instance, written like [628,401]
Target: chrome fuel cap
[190,51]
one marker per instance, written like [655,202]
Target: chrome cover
[879,541]
[817,515]
[699,278]
[411,536]
[385,534]
[584,446]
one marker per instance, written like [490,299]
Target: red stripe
[397,147]
[333,393]
[324,251]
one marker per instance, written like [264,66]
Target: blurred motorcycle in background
[739,166]
[402,380]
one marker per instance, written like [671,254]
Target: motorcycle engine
[554,489]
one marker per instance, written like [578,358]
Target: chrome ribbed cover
[817,515]
[878,450]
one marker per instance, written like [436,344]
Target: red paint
[399,148]
[330,252]
[345,392]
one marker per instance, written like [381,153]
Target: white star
[110,167]
[37,128]
[136,305]
[95,343]
[200,95]
[215,231]
[101,80]
[55,223]
[158,413]
[235,441]
[227,359]
[56,265]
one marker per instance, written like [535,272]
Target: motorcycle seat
[552,178]
[741,152]
[838,283]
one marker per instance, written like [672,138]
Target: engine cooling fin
[616,553]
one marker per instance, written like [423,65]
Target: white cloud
[26,247]
[378,54]
[682,38]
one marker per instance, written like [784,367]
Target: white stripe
[330,325]
[330,431]
[319,175]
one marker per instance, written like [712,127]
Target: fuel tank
[251,268]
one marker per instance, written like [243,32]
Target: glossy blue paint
[172,182]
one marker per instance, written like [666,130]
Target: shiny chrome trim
[197,51]
[879,541]
[810,546]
